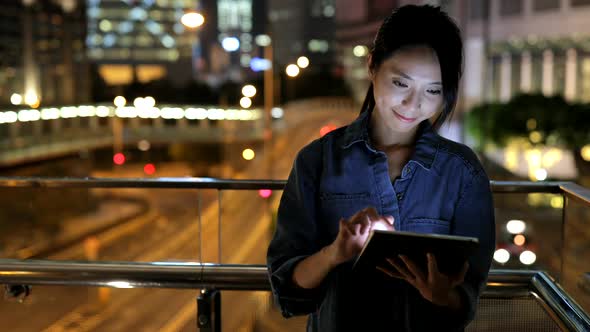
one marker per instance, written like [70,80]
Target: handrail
[248,184]
[568,311]
[572,189]
[176,275]
[569,188]
[253,278]
[161,183]
[134,275]
[576,191]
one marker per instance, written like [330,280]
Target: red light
[119,158]
[326,129]
[149,169]
[264,193]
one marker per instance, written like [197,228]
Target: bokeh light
[192,20]
[248,154]
[119,158]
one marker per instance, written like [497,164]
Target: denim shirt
[443,189]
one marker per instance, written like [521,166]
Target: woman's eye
[400,84]
[434,92]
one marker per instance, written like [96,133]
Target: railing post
[209,311]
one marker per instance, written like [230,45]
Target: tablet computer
[450,251]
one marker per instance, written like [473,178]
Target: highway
[169,231]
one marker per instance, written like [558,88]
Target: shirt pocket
[334,206]
[428,225]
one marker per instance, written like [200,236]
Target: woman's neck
[385,138]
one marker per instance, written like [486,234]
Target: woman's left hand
[433,285]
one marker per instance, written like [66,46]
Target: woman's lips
[403,118]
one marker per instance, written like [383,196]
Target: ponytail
[369,102]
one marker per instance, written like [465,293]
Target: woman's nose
[412,100]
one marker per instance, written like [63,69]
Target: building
[231,42]
[302,28]
[511,46]
[141,40]
[522,46]
[42,54]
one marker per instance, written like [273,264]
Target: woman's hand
[433,285]
[353,233]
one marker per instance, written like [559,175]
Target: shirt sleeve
[474,217]
[295,236]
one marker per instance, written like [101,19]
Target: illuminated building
[511,46]
[302,27]
[141,39]
[42,58]
[539,46]
[230,41]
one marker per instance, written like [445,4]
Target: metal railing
[212,278]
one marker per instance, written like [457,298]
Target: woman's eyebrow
[406,76]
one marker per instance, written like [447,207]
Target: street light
[119,101]
[245,102]
[249,91]
[302,62]
[192,20]
[292,70]
[230,44]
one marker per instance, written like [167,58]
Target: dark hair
[429,26]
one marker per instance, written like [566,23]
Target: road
[170,232]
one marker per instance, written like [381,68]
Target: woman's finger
[458,279]
[372,213]
[356,228]
[413,268]
[402,270]
[365,225]
[432,267]
[390,273]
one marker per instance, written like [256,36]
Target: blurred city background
[233,89]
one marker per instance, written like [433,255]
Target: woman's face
[407,88]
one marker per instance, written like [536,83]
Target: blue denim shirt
[443,189]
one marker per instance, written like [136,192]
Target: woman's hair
[429,26]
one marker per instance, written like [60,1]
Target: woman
[387,169]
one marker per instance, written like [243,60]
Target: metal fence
[503,285]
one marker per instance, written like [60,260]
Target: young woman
[388,169]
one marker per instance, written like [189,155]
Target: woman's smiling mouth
[403,118]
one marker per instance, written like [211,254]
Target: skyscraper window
[542,5]
[510,7]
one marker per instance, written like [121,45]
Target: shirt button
[400,196]
[406,171]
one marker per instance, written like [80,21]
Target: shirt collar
[426,144]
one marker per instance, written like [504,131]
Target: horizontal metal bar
[576,191]
[134,275]
[525,187]
[173,275]
[503,283]
[572,316]
[161,183]
[214,183]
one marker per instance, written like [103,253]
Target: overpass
[36,134]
